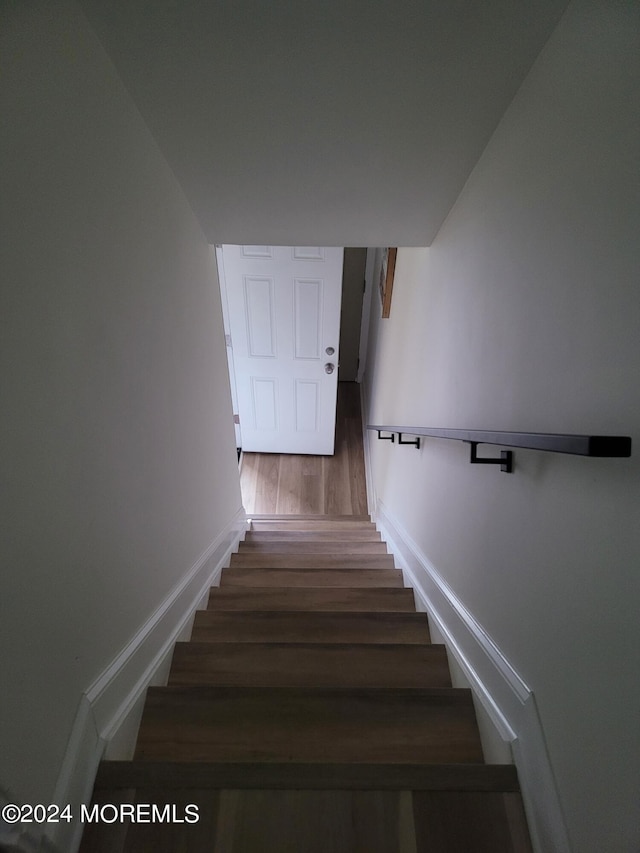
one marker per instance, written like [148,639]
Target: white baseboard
[107,703]
[507,699]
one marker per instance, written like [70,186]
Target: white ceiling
[339,122]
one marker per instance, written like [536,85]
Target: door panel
[308,317]
[284,312]
[259,301]
[264,399]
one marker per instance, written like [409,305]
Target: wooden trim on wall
[387,272]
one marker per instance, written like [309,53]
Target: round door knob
[329,368]
[329,350]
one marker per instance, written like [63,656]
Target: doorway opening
[294,484]
[293,318]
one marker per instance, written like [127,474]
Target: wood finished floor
[324,485]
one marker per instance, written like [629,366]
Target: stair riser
[328,520]
[310,526]
[117,775]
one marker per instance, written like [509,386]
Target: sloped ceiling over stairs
[340,122]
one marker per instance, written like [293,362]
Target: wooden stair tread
[487,822]
[310,714]
[284,560]
[309,626]
[239,576]
[281,546]
[319,821]
[309,665]
[310,516]
[309,725]
[308,598]
[201,774]
[309,525]
[365,534]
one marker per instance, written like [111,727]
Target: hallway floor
[324,485]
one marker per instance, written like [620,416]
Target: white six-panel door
[284,317]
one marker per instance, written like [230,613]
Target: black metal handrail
[578,445]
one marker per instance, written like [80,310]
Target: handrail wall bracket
[505,461]
[415,443]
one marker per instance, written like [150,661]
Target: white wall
[118,464]
[524,315]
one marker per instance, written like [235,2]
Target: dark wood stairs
[310,712]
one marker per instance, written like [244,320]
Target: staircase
[310,713]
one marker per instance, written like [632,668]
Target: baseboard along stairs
[310,713]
